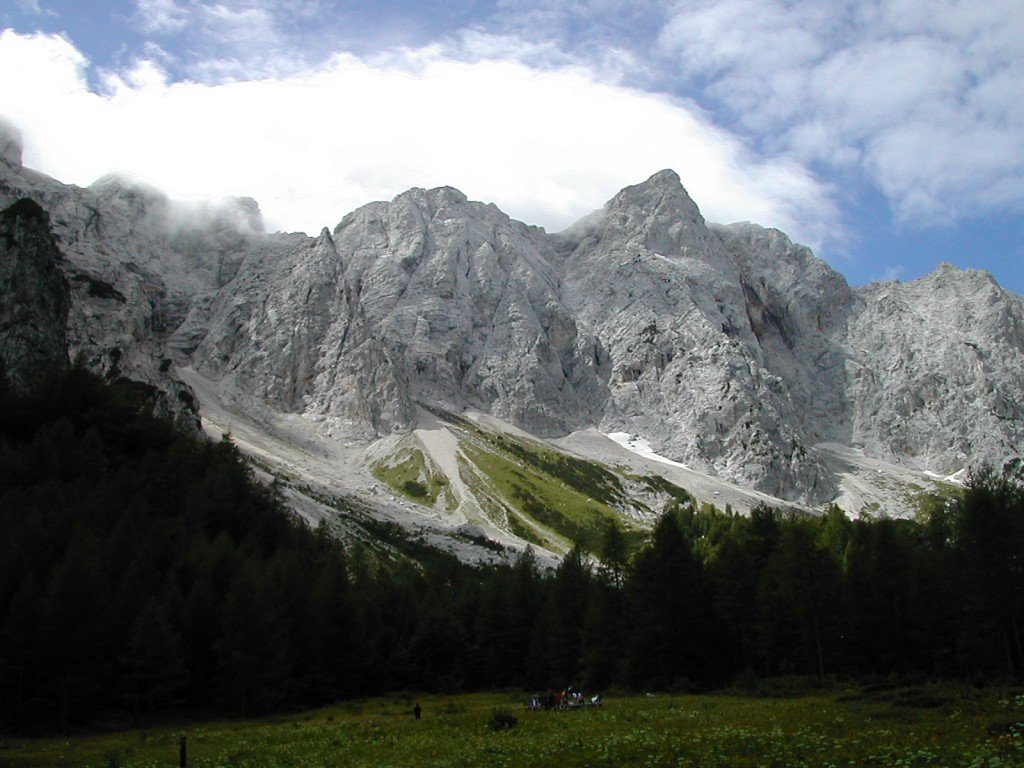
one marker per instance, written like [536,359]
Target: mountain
[33,298]
[478,380]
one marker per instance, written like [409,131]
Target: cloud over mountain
[544,143]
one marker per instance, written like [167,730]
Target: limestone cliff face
[135,262]
[934,371]
[33,298]
[797,307]
[427,298]
[689,343]
[728,347]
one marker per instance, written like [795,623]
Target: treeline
[143,571]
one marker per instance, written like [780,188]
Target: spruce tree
[152,663]
[77,631]
[672,636]
[254,659]
[21,653]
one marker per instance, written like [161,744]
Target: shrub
[413,488]
[503,720]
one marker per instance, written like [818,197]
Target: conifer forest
[145,571]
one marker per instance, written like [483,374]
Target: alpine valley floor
[924,726]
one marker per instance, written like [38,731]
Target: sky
[888,135]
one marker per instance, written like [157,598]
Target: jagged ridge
[729,348]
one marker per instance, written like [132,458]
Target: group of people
[568,698]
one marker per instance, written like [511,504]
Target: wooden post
[183,753]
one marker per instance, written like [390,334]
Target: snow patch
[957,478]
[641,446]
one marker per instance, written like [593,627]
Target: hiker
[417,711]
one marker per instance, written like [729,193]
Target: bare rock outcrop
[691,366]
[429,298]
[729,348]
[10,145]
[33,298]
[935,373]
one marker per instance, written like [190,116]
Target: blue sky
[886,134]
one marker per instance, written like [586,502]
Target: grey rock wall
[729,348]
[33,298]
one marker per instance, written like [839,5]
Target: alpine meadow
[378,472]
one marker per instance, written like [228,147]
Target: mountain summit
[730,350]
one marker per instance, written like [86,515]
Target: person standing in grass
[417,711]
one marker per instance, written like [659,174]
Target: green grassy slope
[552,498]
[409,473]
[925,727]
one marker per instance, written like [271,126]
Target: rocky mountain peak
[665,179]
[10,144]
[119,185]
[431,202]
[241,214]
[33,297]
[947,273]
[659,216]
[126,196]
[730,349]
[663,194]
[771,263]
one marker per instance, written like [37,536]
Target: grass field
[922,726]
[409,473]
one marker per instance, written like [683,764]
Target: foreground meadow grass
[925,726]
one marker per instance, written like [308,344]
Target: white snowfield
[957,478]
[641,447]
[633,454]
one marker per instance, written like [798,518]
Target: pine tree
[799,592]
[253,654]
[77,631]
[614,553]
[199,630]
[877,573]
[331,651]
[989,532]
[604,633]
[20,652]
[570,593]
[153,663]
[672,635]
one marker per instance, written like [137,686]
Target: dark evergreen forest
[144,572]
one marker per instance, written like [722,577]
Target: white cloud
[161,16]
[891,273]
[547,146]
[923,95]
[33,7]
[245,27]
[234,39]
